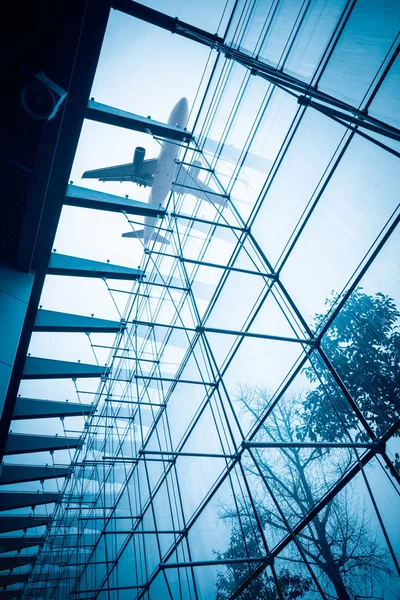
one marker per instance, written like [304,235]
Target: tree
[245,540]
[363,344]
[340,543]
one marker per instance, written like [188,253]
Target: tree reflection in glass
[341,543]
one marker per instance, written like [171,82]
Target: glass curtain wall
[245,444]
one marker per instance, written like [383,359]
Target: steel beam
[174,25]
[23,473]
[8,544]
[13,562]
[53,321]
[196,219]
[46,368]
[85,198]
[202,263]
[21,443]
[299,445]
[306,95]
[6,580]
[106,588]
[188,454]
[22,522]
[32,408]
[102,113]
[72,266]
[11,594]
[210,563]
[11,500]
[348,115]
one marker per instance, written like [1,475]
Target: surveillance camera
[41,97]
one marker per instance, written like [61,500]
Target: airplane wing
[125,173]
[187,183]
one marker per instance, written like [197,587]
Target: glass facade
[245,442]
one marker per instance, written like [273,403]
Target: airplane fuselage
[166,169]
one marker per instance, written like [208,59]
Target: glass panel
[362,342]
[296,183]
[386,104]
[369,33]
[263,151]
[330,248]
[285,18]
[312,37]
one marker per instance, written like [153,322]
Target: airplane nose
[180,113]
[183,105]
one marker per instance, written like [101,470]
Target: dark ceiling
[37,36]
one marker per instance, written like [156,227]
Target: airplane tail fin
[160,238]
[134,234]
[140,233]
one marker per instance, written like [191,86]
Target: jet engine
[138,159]
[194,168]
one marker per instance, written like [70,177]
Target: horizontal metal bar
[134,460]
[11,579]
[109,115]
[204,329]
[42,578]
[11,473]
[20,522]
[207,222]
[194,454]
[265,336]
[151,226]
[61,548]
[213,265]
[138,403]
[109,589]
[129,293]
[175,380]
[14,500]
[23,443]
[85,198]
[52,321]
[13,562]
[188,164]
[183,145]
[147,532]
[308,445]
[111,518]
[88,564]
[164,325]
[137,358]
[209,563]
[8,543]
[47,368]
[37,408]
[167,286]
[73,266]
[198,189]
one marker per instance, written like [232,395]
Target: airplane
[161,175]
